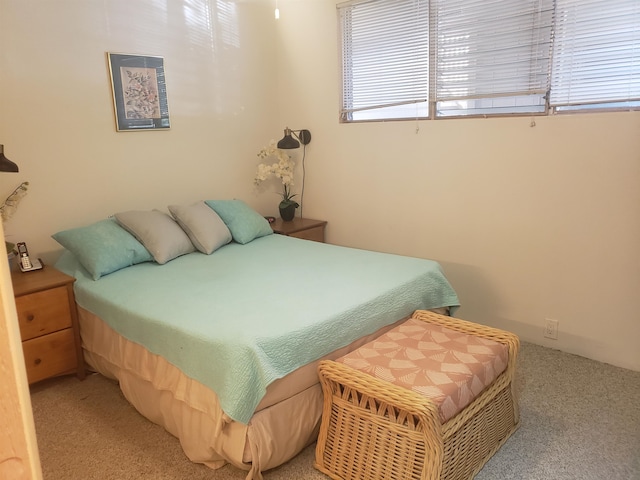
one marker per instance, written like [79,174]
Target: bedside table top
[38,280]
[296,225]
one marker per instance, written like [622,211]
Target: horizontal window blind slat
[469,20]
[494,95]
[397,104]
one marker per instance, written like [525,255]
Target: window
[492,56]
[596,60]
[448,58]
[385,60]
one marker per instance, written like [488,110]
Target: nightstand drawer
[50,355]
[304,228]
[316,234]
[43,312]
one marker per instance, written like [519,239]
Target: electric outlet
[551,329]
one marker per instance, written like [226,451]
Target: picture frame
[139,92]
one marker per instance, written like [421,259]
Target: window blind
[596,53]
[445,58]
[385,59]
[493,56]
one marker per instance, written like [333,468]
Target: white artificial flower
[10,205]
[282,167]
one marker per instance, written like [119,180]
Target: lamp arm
[304,136]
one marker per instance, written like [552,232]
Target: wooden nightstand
[301,228]
[48,321]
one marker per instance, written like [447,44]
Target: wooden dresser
[48,321]
[301,228]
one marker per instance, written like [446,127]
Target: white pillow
[158,232]
[204,227]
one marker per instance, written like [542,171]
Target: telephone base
[35,265]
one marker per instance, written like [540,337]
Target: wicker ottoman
[374,428]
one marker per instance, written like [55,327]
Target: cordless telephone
[26,264]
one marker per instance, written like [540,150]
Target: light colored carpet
[580,420]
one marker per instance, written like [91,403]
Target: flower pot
[287,211]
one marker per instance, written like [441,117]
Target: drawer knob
[30,317]
[38,361]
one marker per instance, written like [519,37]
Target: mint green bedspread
[246,315]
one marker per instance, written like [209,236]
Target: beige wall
[56,108]
[528,222]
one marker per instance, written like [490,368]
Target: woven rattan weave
[372,429]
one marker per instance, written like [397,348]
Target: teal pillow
[103,247]
[244,223]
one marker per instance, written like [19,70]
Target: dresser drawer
[316,234]
[43,312]
[50,355]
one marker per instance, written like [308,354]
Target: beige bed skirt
[285,421]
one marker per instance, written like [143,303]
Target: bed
[221,349]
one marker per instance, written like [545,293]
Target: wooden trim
[19,457]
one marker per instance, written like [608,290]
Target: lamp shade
[6,165]
[288,142]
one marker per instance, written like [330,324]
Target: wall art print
[139,92]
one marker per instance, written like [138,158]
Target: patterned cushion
[449,367]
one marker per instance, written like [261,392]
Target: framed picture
[139,92]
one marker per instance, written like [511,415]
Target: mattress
[241,324]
